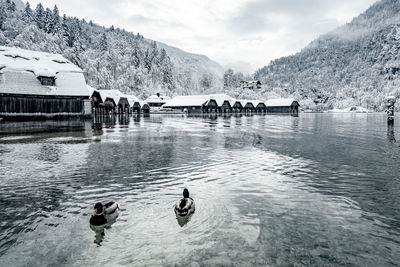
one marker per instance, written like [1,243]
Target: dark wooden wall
[293,108]
[21,104]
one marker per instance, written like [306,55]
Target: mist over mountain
[111,58]
[356,64]
[240,66]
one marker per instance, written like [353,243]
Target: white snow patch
[112,94]
[280,102]
[20,69]
[132,99]
[197,100]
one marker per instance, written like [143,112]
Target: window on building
[47,81]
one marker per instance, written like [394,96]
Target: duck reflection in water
[100,231]
[182,221]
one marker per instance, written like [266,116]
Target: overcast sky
[252,31]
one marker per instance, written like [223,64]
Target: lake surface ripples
[318,189]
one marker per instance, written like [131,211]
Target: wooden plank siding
[15,105]
[293,108]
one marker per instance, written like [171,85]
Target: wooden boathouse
[282,105]
[134,105]
[237,106]
[214,103]
[144,107]
[187,104]
[156,101]
[222,103]
[261,107]
[227,106]
[115,101]
[249,106]
[37,85]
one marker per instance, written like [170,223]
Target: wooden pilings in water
[390,101]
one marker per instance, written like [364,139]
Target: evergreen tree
[66,31]
[228,78]
[55,24]
[148,60]
[39,16]
[48,21]
[11,7]
[136,57]
[3,15]
[27,14]
[103,44]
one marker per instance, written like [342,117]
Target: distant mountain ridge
[356,64]
[195,65]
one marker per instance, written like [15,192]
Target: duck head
[98,208]
[185,193]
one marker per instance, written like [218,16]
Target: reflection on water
[183,220]
[317,189]
[100,232]
[390,133]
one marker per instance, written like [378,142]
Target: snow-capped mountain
[356,64]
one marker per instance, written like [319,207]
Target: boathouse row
[43,85]
[222,103]
[35,84]
[114,101]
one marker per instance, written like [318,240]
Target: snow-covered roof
[255,102]
[197,100]
[280,102]
[132,99]
[116,95]
[258,103]
[20,69]
[91,89]
[243,101]
[143,103]
[189,100]
[157,99]
[234,102]
[219,98]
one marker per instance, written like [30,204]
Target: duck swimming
[185,206]
[103,214]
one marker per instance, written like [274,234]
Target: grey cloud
[257,16]
[140,19]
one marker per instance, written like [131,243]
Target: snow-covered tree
[39,16]
[27,14]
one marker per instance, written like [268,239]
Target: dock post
[390,101]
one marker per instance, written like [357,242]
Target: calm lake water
[318,189]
